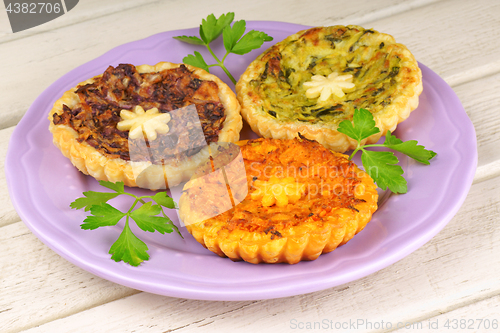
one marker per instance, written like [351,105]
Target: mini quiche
[299,200]
[316,78]
[147,126]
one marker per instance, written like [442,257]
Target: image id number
[33,8]
[471,324]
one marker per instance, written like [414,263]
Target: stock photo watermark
[485,324]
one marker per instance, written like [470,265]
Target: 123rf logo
[26,14]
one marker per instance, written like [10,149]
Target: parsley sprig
[127,247]
[382,165]
[234,40]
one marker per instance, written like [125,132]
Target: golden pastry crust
[328,202]
[386,77]
[144,174]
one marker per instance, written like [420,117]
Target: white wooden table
[455,276]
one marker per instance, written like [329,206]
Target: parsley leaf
[196,60]
[117,187]
[146,219]
[409,148]
[211,28]
[234,40]
[163,199]
[129,248]
[231,35]
[103,215]
[381,165]
[251,41]
[190,40]
[92,198]
[362,126]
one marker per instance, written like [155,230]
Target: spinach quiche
[311,81]
[277,201]
[147,126]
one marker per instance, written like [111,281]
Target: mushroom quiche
[147,126]
[316,78]
[289,200]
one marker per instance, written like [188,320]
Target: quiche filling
[290,200]
[373,61]
[290,182]
[96,117]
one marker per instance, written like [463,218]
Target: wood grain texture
[483,316]
[459,47]
[487,172]
[480,100]
[101,35]
[453,270]
[39,286]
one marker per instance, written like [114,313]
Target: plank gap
[11,219]
[69,314]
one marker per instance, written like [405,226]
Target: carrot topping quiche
[316,78]
[147,126]
[299,200]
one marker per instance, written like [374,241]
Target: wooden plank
[39,286]
[487,172]
[480,100]
[456,268]
[483,316]
[433,37]
[7,212]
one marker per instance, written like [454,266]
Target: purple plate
[43,183]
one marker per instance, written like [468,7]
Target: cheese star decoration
[141,122]
[279,191]
[326,86]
